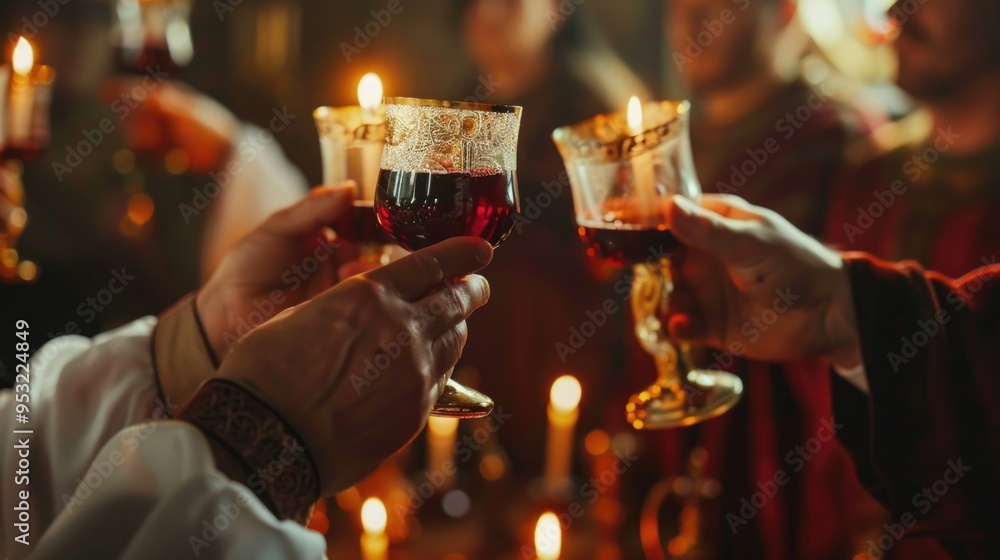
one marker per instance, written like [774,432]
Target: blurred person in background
[779,142]
[932,196]
[561,69]
[105,215]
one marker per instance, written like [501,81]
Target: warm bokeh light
[440,426]
[548,537]
[24,57]
[634,115]
[140,208]
[597,442]
[491,467]
[566,393]
[370,91]
[374,516]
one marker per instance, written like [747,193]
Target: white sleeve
[160,496]
[82,392]
[261,181]
[150,483]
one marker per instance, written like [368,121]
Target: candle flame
[370,91]
[441,426]
[548,537]
[24,57]
[566,393]
[373,516]
[634,115]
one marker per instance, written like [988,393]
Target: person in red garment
[779,142]
[935,199]
[915,353]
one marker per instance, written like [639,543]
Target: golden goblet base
[458,401]
[705,395]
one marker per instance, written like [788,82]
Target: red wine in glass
[419,209]
[22,152]
[360,225]
[627,244]
[149,58]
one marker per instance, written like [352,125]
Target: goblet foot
[458,401]
[705,394]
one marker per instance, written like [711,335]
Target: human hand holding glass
[448,170]
[623,170]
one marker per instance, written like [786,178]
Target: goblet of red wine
[622,171]
[448,170]
[351,139]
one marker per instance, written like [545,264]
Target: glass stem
[651,288]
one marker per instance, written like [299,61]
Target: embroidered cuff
[268,447]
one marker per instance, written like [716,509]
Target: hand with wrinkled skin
[310,361]
[743,262]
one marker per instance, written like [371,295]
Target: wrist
[211,310]
[249,437]
[844,349]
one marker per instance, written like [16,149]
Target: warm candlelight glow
[373,516]
[566,393]
[634,115]
[548,537]
[24,57]
[370,91]
[441,426]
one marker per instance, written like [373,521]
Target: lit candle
[374,543]
[643,176]
[22,95]
[364,157]
[548,537]
[563,413]
[441,433]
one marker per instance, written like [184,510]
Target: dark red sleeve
[927,437]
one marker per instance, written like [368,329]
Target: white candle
[22,95]
[374,543]
[364,158]
[441,433]
[548,537]
[563,412]
[643,176]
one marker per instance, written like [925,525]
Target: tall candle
[564,401]
[441,433]
[22,95]
[365,154]
[374,542]
[548,537]
[643,176]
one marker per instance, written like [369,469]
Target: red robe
[786,162]
[926,440]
